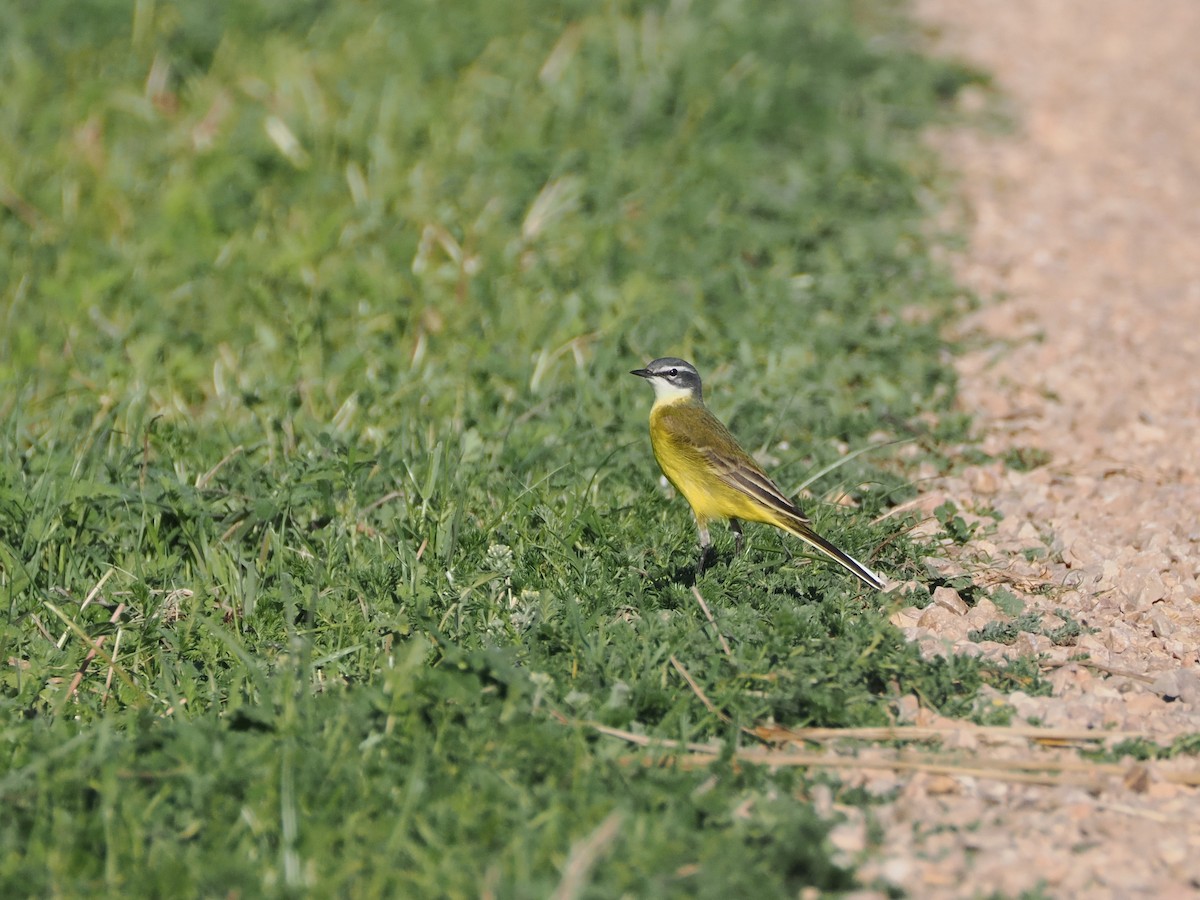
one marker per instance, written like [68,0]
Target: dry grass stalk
[1099,667]
[1021,771]
[711,621]
[778,735]
[203,480]
[92,594]
[584,855]
[96,645]
[708,704]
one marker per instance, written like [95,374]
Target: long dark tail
[801,529]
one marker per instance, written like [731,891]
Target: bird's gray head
[672,379]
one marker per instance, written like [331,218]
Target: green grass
[1007,632]
[313,348]
[1144,749]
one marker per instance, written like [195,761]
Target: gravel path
[1085,244]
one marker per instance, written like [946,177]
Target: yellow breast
[692,448]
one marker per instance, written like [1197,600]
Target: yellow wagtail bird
[720,480]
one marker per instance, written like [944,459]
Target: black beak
[641,373]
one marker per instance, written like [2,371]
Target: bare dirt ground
[1085,246]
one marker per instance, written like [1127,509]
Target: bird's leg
[736,527]
[705,549]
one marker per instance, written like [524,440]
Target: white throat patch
[665,392]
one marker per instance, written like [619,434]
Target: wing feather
[755,483]
[706,438]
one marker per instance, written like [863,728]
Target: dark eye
[674,373]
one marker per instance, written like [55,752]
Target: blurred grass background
[325,497]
